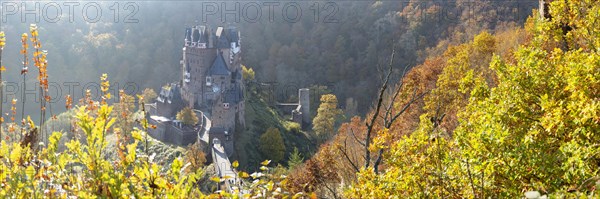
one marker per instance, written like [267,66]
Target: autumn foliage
[508,112]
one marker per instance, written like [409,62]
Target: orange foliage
[68,102]
[24,53]
[348,147]
[423,78]
[340,159]
[317,172]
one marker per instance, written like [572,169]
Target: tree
[271,145]
[247,73]
[195,156]
[327,114]
[465,65]
[318,174]
[187,116]
[295,159]
[533,129]
[149,95]
[386,112]
[541,111]
[124,111]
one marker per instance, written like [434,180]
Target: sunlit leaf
[265,163]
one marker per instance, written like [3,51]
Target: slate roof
[203,37]
[196,35]
[223,42]
[238,75]
[188,34]
[169,93]
[233,36]
[202,34]
[228,36]
[216,130]
[219,66]
[234,95]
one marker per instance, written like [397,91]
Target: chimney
[219,31]
[211,38]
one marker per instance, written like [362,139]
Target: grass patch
[259,117]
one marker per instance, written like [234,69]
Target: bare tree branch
[333,191]
[377,109]
[348,157]
[390,109]
[388,117]
[356,138]
[413,100]
[391,121]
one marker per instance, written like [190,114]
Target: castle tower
[197,59]
[201,48]
[304,100]
[211,83]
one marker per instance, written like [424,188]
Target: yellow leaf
[30,171]
[265,163]
[216,179]
[136,135]
[235,164]
[2,68]
[30,122]
[297,195]
[243,175]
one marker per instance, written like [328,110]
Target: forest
[414,99]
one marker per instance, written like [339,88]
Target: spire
[219,67]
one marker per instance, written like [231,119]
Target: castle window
[208,81]
[186,77]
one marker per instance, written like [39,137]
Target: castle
[211,84]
